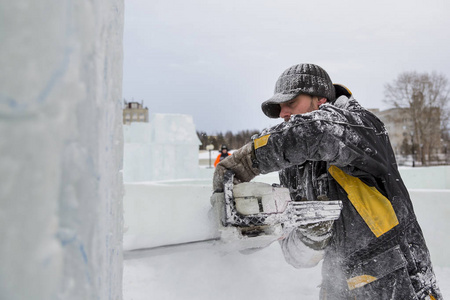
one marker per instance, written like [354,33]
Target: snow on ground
[203,271]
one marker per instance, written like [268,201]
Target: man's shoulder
[349,109]
[346,103]
[347,106]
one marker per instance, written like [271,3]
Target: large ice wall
[165,148]
[61,149]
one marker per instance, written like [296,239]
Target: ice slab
[61,146]
[165,148]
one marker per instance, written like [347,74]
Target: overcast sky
[219,60]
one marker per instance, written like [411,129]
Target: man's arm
[297,254]
[323,135]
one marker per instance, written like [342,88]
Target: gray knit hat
[299,79]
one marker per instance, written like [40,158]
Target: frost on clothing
[375,250]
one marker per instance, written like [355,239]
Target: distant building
[400,127]
[134,112]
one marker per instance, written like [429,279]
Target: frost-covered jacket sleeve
[297,254]
[340,137]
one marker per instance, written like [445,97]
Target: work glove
[241,162]
[316,235]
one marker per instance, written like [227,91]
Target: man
[330,148]
[223,154]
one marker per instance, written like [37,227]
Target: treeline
[233,141]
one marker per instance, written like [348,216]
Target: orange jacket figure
[223,154]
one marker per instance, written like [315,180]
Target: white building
[134,112]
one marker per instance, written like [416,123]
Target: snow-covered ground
[169,212]
[205,273]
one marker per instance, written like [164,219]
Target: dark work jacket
[343,152]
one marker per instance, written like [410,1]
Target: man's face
[300,105]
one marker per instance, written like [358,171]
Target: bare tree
[424,97]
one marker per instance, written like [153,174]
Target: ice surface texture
[60,122]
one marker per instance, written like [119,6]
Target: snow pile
[165,148]
[60,119]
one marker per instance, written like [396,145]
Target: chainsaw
[254,212]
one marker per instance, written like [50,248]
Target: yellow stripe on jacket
[372,206]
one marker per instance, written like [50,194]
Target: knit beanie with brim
[299,79]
